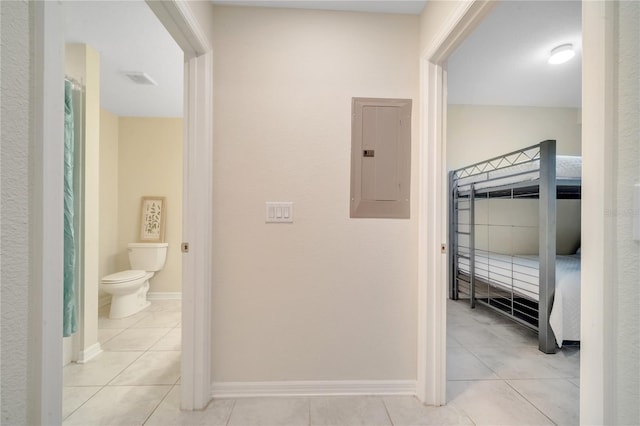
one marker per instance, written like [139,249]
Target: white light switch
[279,212]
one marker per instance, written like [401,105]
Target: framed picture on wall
[152,218]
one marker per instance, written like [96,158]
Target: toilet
[128,289]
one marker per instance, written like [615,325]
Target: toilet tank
[149,257]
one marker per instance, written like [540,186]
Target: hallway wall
[327,297]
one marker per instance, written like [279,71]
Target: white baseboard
[89,353]
[164,295]
[313,388]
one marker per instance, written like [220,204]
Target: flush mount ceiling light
[561,54]
[140,78]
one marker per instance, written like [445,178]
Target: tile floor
[495,376]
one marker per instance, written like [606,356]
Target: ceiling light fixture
[561,54]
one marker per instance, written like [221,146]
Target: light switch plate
[279,212]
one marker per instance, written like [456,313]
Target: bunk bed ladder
[547,244]
[472,251]
[453,226]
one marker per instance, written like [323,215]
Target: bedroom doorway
[491,113]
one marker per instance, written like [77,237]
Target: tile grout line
[386,409]
[158,405]
[107,384]
[532,404]
[233,407]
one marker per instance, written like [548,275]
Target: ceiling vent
[140,78]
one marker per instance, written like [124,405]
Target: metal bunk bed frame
[463,185]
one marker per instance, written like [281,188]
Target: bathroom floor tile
[106,322]
[407,410]
[168,412]
[349,410]
[74,396]
[558,399]
[270,412]
[165,305]
[105,334]
[152,368]
[493,402]
[100,370]
[135,339]
[172,341]
[161,319]
[119,405]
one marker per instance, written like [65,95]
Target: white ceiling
[502,63]
[411,7]
[129,37]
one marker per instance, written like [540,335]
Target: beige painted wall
[150,163]
[108,193]
[327,297]
[480,132]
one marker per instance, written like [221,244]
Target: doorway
[48,48]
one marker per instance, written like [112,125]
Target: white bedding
[520,275]
[567,167]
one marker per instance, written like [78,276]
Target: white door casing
[45,319]
[197,205]
[432,201]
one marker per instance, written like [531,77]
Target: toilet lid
[124,276]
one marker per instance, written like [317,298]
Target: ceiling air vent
[140,78]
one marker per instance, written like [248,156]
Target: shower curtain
[70,307]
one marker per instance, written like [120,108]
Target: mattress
[567,167]
[520,275]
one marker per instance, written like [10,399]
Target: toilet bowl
[128,289]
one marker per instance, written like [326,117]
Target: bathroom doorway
[196,46]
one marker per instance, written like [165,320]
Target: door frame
[45,300]
[197,199]
[432,204]
[597,366]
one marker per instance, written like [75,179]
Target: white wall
[626,283]
[327,297]
[15,75]
[150,163]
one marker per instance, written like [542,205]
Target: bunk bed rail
[536,166]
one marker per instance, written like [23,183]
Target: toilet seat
[124,276]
